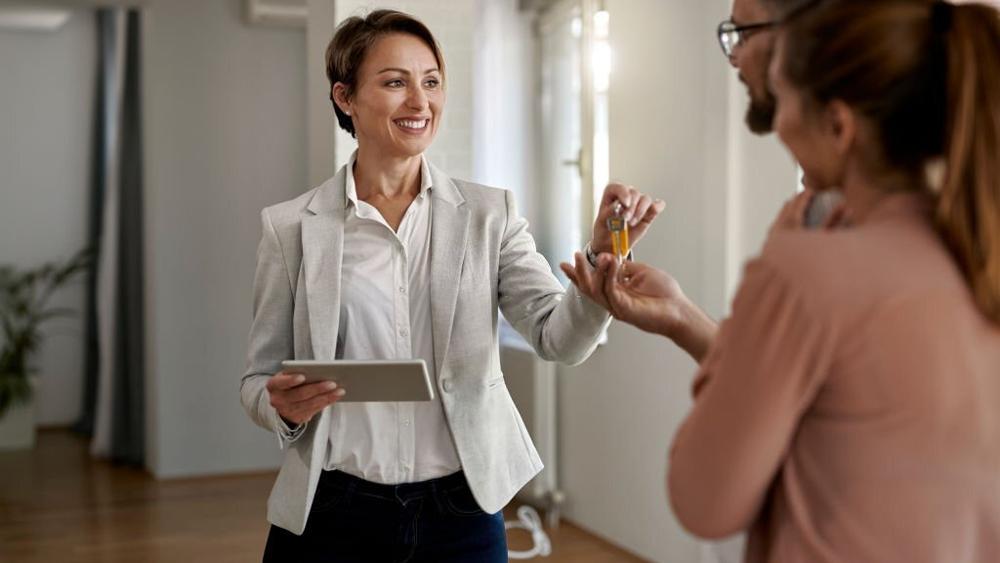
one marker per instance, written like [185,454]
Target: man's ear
[339,96]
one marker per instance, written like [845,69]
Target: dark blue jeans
[353,520]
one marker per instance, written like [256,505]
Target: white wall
[505,109]
[676,128]
[47,82]
[225,137]
[761,175]
[321,123]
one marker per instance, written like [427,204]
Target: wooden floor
[58,505]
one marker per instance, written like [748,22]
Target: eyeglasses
[731,35]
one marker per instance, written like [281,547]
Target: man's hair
[783,8]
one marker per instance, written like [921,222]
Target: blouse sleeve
[763,371]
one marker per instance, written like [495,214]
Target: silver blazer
[482,259]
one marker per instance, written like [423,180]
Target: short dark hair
[783,8]
[351,42]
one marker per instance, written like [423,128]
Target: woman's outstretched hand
[647,298]
[634,293]
[642,296]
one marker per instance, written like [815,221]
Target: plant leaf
[14,390]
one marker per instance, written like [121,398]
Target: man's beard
[760,114]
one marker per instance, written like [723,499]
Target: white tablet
[370,380]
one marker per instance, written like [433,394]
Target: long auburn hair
[926,74]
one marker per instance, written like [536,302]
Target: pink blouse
[849,409]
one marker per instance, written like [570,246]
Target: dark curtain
[114,397]
[91,358]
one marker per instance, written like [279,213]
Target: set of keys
[618,227]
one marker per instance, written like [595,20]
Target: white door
[565,120]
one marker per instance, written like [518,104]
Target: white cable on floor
[528,519]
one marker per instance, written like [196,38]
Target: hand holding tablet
[369,380]
[297,401]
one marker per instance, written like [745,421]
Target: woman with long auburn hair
[849,409]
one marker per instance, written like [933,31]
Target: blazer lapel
[322,256]
[449,234]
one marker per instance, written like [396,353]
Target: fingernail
[300,378]
[330,385]
[340,392]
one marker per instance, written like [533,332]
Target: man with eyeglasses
[747,40]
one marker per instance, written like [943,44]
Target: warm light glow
[602,65]
[602,19]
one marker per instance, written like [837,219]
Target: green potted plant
[24,308]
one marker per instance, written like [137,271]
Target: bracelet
[591,257]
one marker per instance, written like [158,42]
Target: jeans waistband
[343,480]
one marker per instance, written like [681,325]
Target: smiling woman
[354,61]
[394,259]
[396,99]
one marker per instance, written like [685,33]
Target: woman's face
[808,131]
[399,96]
